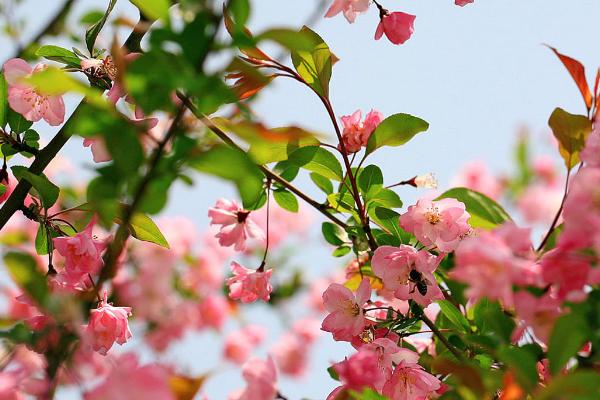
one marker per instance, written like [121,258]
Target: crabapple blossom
[539,313]
[236,224]
[475,175]
[441,223]
[568,271]
[261,381]
[463,3]
[591,152]
[248,285]
[356,132]
[410,381]
[291,354]
[361,370]
[107,325]
[214,310]
[99,151]
[130,380]
[350,8]
[491,263]
[539,203]
[239,344]
[404,270]
[346,315]
[26,100]
[426,181]
[397,26]
[82,252]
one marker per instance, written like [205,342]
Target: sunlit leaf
[316,159]
[571,131]
[153,9]
[315,65]
[47,190]
[92,32]
[577,72]
[59,54]
[395,130]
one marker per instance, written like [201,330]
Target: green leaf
[571,131]
[389,220]
[385,198]
[333,373]
[286,200]
[317,159]
[48,191]
[334,234]
[322,183]
[490,318]
[153,9]
[395,130]
[236,166]
[523,362]
[370,180]
[341,251]
[143,228]
[240,10]
[3,101]
[485,212]
[24,271]
[92,32]
[17,123]
[454,316]
[290,39]
[568,336]
[59,54]
[315,65]
[41,240]
[579,385]
[367,394]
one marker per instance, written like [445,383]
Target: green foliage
[143,228]
[523,362]
[370,180]
[153,9]
[47,191]
[395,130]
[317,159]
[41,240]
[322,183]
[240,10]
[236,166]
[3,101]
[458,321]
[485,212]
[367,394]
[491,321]
[91,34]
[568,336]
[579,385]
[59,54]
[286,200]
[571,131]
[24,272]
[333,234]
[17,123]
[315,65]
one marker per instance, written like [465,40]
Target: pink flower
[540,202]
[410,381]
[99,151]
[476,176]
[581,212]
[248,285]
[291,354]
[350,8]
[360,371]
[408,273]
[129,380]
[539,313]
[261,381]
[239,344]
[236,224]
[356,133]
[108,324]
[214,310]
[346,316]
[463,3]
[397,26]
[491,263]
[568,270]
[441,223]
[82,252]
[591,153]
[25,100]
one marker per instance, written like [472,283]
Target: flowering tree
[447,298]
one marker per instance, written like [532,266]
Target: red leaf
[596,94]
[577,72]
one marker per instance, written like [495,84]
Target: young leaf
[92,32]
[143,228]
[395,130]
[322,183]
[3,101]
[17,123]
[568,336]
[153,9]
[571,131]
[240,10]
[454,316]
[286,200]
[317,159]
[59,54]
[577,72]
[24,271]
[370,179]
[333,234]
[47,190]
[41,240]
[485,212]
[315,65]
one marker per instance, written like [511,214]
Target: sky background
[476,74]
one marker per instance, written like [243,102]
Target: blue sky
[475,74]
